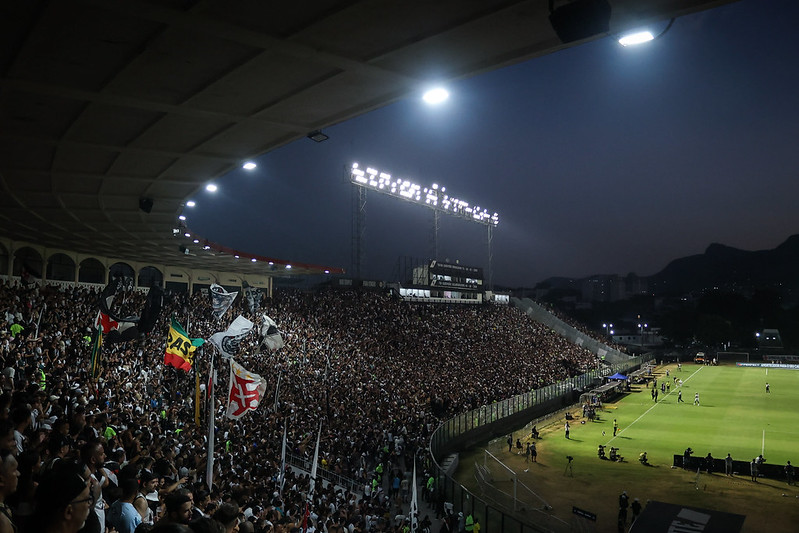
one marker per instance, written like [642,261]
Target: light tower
[433,197]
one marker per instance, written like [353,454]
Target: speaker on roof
[146,204]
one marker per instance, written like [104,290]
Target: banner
[246,391]
[180,348]
[229,342]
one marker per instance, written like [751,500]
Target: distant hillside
[732,269]
[721,266]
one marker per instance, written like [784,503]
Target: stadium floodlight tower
[433,197]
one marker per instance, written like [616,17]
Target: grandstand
[114,114]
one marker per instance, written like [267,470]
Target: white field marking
[655,405]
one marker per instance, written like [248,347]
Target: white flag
[271,335]
[221,300]
[246,391]
[228,342]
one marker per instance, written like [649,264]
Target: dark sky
[599,159]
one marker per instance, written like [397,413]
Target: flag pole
[277,390]
[39,321]
[414,509]
[282,478]
[209,468]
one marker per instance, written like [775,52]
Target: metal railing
[304,464]
[447,435]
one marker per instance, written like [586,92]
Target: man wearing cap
[63,501]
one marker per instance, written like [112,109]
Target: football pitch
[735,415]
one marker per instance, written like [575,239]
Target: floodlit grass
[736,416]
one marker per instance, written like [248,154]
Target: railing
[446,437]
[336,479]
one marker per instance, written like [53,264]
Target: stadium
[154,380]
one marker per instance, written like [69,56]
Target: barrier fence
[453,435]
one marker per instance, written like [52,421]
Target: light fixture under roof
[636,38]
[191,203]
[317,136]
[249,165]
[211,187]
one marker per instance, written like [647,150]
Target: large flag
[221,300]
[246,390]
[270,335]
[229,341]
[122,329]
[253,297]
[180,348]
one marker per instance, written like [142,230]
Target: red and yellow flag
[180,348]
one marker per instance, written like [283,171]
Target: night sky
[599,159]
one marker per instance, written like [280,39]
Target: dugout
[603,394]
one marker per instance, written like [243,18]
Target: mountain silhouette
[727,268]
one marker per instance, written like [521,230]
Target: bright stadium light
[433,197]
[249,165]
[642,36]
[191,203]
[211,187]
[636,38]
[436,95]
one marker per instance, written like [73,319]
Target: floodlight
[236,256]
[436,95]
[211,187]
[191,203]
[288,267]
[431,197]
[249,165]
[253,260]
[642,36]
[182,217]
[636,38]
[175,231]
[187,234]
[196,241]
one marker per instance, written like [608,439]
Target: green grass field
[736,416]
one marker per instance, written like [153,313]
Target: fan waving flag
[180,348]
[246,391]
[228,342]
[221,300]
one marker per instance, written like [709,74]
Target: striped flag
[180,348]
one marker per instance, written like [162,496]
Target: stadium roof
[107,103]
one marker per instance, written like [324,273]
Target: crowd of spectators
[378,372]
